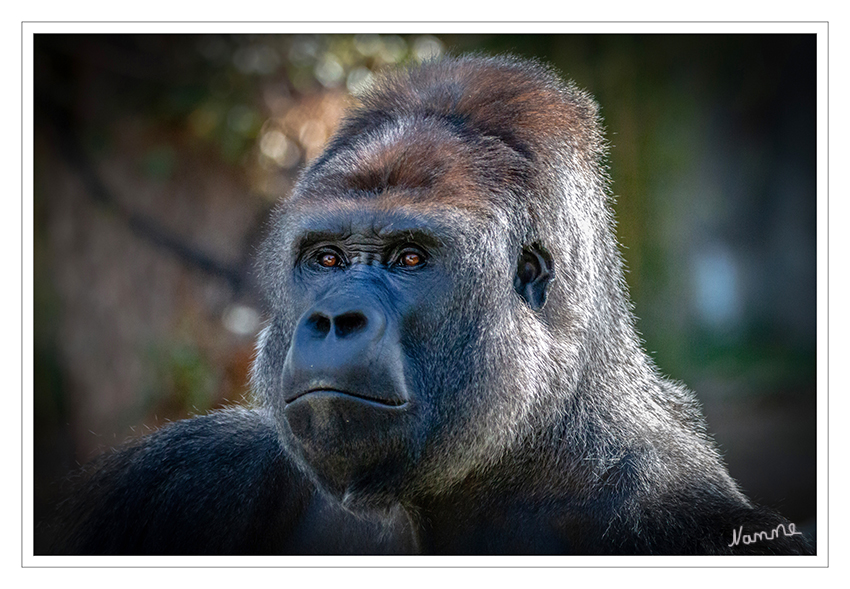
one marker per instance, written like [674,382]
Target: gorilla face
[384,363]
[380,360]
[362,285]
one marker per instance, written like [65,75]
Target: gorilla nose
[344,325]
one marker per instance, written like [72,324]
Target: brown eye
[329,260]
[411,259]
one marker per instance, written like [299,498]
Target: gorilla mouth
[393,402]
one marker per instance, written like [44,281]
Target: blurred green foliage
[184,382]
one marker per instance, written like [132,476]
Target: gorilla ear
[534,272]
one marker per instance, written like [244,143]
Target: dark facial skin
[360,283]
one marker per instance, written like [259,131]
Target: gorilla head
[443,280]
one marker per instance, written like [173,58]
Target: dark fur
[533,421]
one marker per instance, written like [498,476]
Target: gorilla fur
[451,364]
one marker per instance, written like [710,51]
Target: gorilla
[450,365]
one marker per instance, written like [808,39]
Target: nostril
[349,323]
[319,323]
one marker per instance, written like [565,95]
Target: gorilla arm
[216,484]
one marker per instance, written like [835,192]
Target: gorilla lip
[375,400]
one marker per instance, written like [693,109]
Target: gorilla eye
[411,259]
[329,260]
